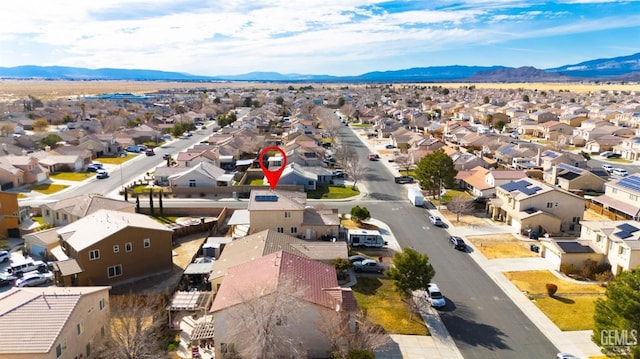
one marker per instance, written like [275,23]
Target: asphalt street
[482,320]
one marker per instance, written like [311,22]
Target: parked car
[436,221]
[435,297]
[566,356]
[357,258]
[389,147]
[609,154]
[370,265]
[133,148]
[150,152]
[166,156]
[608,168]
[7,280]
[339,173]
[33,279]
[28,265]
[94,167]
[101,174]
[374,157]
[404,179]
[4,256]
[619,172]
[458,243]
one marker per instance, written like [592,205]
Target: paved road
[482,320]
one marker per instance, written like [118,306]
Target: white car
[435,297]
[436,221]
[100,174]
[621,172]
[608,168]
[33,279]
[4,256]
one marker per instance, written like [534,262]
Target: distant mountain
[625,68]
[599,68]
[521,74]
[78,73]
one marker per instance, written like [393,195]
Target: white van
[620,172]
[19,268]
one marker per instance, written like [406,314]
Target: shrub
[551,289]
[589,268]
[360,354]
[568,269]
[360,214]
[604,277]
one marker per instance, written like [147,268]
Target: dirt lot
[591,215]
[478,219]
[502,246]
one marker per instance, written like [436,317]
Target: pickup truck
[404,179]
[370,265]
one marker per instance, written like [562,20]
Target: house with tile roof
[298,293]
[16,171]
[621,198]
[52,322]
[262,243]
[482,182]
[65,211]
[110,247]
[287,212]
[528,204]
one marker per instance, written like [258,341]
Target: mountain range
[624,68]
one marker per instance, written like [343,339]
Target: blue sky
[343,37]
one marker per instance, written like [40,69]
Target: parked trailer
[365,238]
[415,197]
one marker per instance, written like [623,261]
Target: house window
[294,229]
[620,250]
[57,215]
[614,190]
[59,351]
[575,220]
[610,246]
[64,217]
[147,242]
[280,229]
[47,213]
[287,214]
[549,204]
[128,247]
[114,271]
[633,197]
[94,254]
[192,183]
[88,349]
[116,248]
[101,304]
[80,328]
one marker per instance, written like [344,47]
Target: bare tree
[460,206]
[7,129]
[353,166]
[135,328]
[405,163]
[352,331]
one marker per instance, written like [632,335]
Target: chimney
[47,148]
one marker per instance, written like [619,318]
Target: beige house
[69,210]
[52,322]
[532,206]
[613,242]
[109,247]
[268,241]
[573,178]
[298,293]
[287,212]
[622,197]
[483,182]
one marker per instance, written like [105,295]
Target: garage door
[552,257]
[517,226]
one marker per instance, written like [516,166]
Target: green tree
[50,140]
[499,125]
[411,271]
[434,170]
[246,102]
[178,129]
[279,101]
[525,98]
[40,125]
[486,100]
[151,201]
[360,214]
[341,101]
[137,204]
[341,265]
[618,314]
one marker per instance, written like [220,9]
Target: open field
[533,282]
[48,90]
[501,246]
[569,312]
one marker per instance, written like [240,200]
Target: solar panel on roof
[626,227]
[631,182]
[550,154]
[266,198]
[510,186]
[569,168]
[622,234]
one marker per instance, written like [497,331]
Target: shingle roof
[300,277]
[286,200]
[31,318]
[95,227]
[86,204]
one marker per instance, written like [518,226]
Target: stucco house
[482,182]
[63,212]
[621,197]
[16,171]
[297,175]
[530,205]
[572,178]
[9,215]
[203,174]
[287,212]
[110,247]
[298,293]
[52,322]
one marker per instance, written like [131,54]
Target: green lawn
[383,306]
[142,188]
[116,160]
[411,173]
[332,192]
[47,188]
[569,312]
[256,182]
[361,125]
[38,219]
[71,176]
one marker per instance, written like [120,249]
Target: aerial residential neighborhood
[162,195]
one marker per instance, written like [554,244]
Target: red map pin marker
[273,176]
